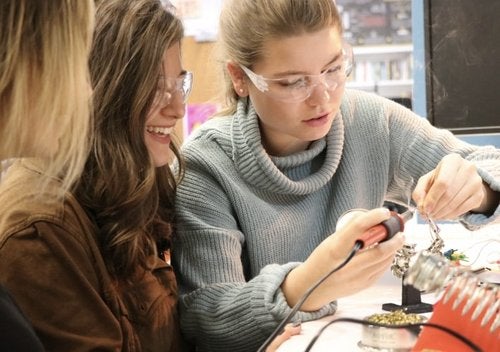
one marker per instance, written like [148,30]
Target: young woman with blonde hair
[265,184]
[44,85]
[44,112]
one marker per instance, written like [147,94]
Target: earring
[240,90]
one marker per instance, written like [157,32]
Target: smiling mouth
[164,131]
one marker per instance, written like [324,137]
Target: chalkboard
[462,48]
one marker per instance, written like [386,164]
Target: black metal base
[412,308]
[411,301]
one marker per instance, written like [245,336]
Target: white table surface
[482,247]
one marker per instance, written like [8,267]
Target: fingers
[421,189]
[381,255]
[331,253]
[340,243]
[367,266]
[363,222]
[359,222]
[388,248]
[289,331]
[466,199]
[455,182]
[450,190]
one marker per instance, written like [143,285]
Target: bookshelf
[381,36]
[383,69]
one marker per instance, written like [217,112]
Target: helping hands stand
[411,301]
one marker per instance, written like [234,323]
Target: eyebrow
[292,73]
[182,73]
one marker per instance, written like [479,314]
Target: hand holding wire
[452,189]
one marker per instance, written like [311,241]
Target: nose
[320,93]
[175,107]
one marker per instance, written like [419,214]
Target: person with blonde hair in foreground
[44,85]
[44,114]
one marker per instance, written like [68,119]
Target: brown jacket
[51,263]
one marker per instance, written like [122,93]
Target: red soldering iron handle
[383,231]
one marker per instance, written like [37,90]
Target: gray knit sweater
[246,218]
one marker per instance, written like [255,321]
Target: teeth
[159,130]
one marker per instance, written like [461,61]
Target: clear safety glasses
[297,88]
[168,87]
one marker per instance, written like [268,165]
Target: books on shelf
[384,70]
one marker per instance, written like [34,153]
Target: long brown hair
[130,200]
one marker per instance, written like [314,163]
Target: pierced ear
[238,78]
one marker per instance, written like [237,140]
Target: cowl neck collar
[300,173]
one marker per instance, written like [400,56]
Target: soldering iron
[385,230]
[375,234]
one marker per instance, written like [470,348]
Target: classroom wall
[199,58]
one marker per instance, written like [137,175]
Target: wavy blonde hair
[244,26]
[44,82]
